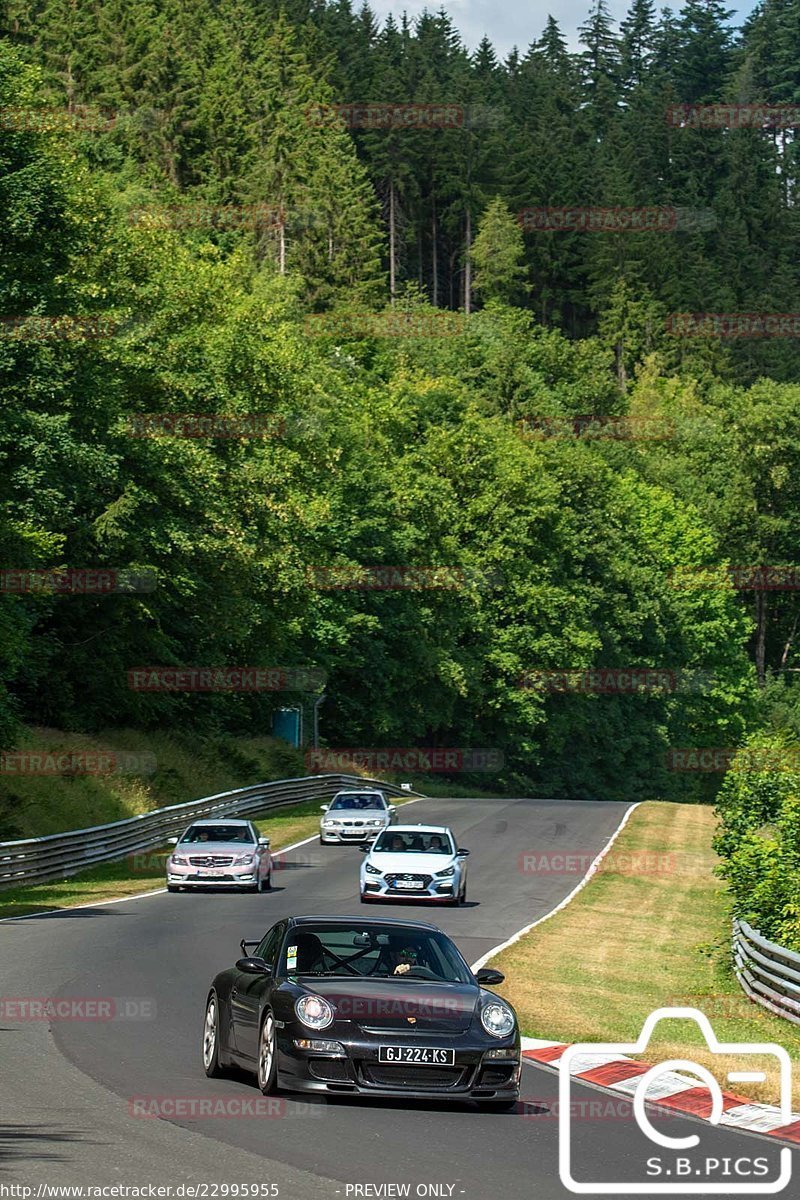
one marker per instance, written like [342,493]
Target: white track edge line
[54,912]
[563,904]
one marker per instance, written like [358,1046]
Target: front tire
[267,1055]
[211,1039]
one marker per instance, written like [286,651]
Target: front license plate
[206,872]
[421,1055]
[409,885]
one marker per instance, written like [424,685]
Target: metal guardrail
[768,973]
[60,855]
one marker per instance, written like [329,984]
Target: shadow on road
[34,1142]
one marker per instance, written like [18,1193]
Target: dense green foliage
[759,809]
[213,98]
[418,450]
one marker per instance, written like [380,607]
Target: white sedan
[415,862]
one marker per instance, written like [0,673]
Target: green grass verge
[186,768]
[652,929]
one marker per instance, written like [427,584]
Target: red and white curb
[671,1090]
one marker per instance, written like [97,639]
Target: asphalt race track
[66,1088]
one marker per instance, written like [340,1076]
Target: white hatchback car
[355,816]
[415,862]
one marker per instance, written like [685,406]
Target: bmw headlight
[497,1019]
[314,1011]
[444,874]
[371,870]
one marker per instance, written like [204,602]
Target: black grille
[495,1076]
[392,879]
[211,860]
[332,1070]
[411,1077]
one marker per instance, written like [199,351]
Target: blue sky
[518,22]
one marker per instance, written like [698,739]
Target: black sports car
[372,1006]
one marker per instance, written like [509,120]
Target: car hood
[410,864]
[204,849]
[386,1006]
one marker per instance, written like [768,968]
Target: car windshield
[422,842]
[358,802]
[218,833]
[348,949]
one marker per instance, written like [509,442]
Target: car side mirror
[172,841]
[489,976]
[365,847]
[324,807]
[263,842]
[461,853]
[253,966]
[392,808]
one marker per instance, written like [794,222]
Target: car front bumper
[373,888]
[354,835]
[358,1071]
[194,880]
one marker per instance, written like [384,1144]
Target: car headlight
[379,822]
[329,822]
[178,861]
[244,860]
[497,1019]
[314,1012]
[445,873]
[368,867]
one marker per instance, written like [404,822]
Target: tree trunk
[468,264]
[622,375]
[392,232]
[788,646]
[761,636]
[434,254]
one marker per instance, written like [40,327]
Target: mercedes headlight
[244,860]
[178,861]
[314,1011]
[497,1019]
[444,874]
